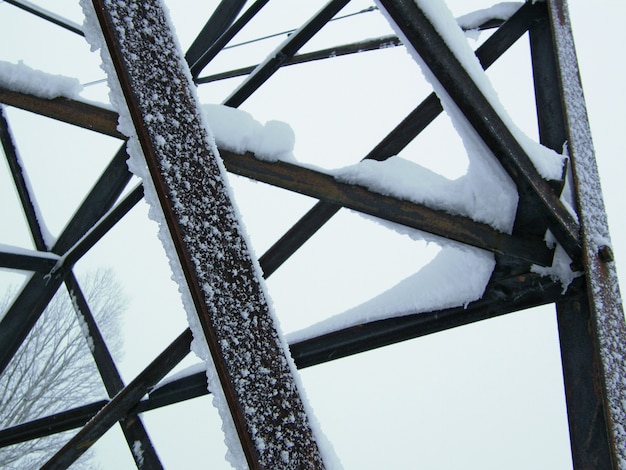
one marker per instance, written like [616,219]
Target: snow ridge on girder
[246,359]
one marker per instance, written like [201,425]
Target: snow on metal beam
[410,127]
[208,251]
[424,38]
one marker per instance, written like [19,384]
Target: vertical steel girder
[600,309]
[586,411]
[410,127]
[250,361]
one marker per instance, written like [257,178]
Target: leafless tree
[53,370]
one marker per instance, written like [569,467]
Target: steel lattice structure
[590,315]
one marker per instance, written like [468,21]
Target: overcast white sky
[485,396]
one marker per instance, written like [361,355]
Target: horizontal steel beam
[27,262]
[519,292]
[411,126]
[438,222]
[77,113]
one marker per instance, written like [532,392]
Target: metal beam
[421,217]
[197,64]
[423,37]
[46,15]
[399,137]
[77,113]
[244,345]
[329,53]
[120,405]
[23,192]
[602,308]
[298,39]
[585,405]
[334,195]
[28,262]
[218,23]
[507,295]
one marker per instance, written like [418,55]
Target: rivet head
[605,253]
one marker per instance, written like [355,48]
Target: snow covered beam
[337,194]
[418,216]
[249,362]
[427,42]
[409,128]
[601,308]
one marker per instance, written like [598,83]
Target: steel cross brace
[249,357]
[131,426]
[423,37]
[34,297]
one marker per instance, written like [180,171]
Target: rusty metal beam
[601,315]
[438,222]
[245,348]
[585,405]
[411,126]
[426,41]
[334,195]
[77,113]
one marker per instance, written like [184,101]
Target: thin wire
[95,82]
[46,15]
[365,10]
